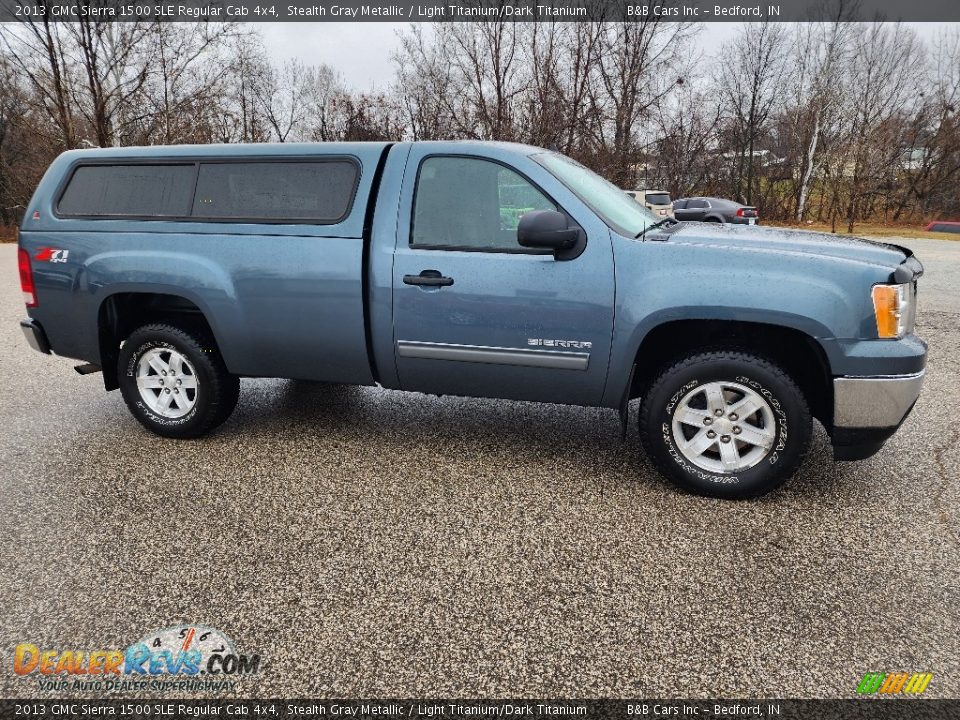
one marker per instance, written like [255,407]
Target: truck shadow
[329,407]
[451,430]
[447,427]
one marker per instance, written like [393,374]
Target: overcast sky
[362,51]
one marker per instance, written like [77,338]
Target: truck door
[475,313]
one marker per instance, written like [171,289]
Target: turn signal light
[887,301]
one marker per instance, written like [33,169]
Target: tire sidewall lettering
[780,415]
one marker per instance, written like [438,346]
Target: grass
[8,234]
[874,230]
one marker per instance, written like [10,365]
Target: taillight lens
[739,212]
[747,212]
[26,278]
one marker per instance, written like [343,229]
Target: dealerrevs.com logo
[185,657]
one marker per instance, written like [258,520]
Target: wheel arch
[121,312]
[795,350]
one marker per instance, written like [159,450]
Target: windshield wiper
[660,223]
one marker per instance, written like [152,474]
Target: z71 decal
[54,255]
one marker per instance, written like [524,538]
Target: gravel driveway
[372,543]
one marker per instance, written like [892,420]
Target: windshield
[613,205]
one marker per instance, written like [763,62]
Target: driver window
[471,203]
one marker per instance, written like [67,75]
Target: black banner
[476,10]
[873,709]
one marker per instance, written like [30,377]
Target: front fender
[658,282]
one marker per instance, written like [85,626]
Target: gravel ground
[372,543]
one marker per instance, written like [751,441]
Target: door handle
[431,278]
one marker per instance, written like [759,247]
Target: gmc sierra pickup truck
[466,268]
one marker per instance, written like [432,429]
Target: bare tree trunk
[808,168]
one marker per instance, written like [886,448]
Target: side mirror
[546,229]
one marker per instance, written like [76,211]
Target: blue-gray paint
[288,300]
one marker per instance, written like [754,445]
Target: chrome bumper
[874,402]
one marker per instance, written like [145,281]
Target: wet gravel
[374,543]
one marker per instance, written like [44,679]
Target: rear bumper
[36,337]
[868,410]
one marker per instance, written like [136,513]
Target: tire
[209,393]
[747,456]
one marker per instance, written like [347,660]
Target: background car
[656,201]
[709,209]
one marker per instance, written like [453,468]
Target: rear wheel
[175,382]
[726,424]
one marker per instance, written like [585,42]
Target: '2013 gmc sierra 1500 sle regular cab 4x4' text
[466,268]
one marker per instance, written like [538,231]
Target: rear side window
[319,191]
[311,191]
[137,190]
[697,204]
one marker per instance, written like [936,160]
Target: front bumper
[36,337]
[868,410]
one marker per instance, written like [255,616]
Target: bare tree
[237,107]
[428,87]
[880,85]
[184,66]
[932,170]
[110,58]
[283,98]
[563,61]
[324,92]
[35,48]
[687,126]
[819,53]
[750,79]
[638,65]
[852,120]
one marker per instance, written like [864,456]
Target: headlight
[894,307]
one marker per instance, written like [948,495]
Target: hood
[770,239]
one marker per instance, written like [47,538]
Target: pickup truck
[467,268]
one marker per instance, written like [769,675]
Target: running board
[87,369]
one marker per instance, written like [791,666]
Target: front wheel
[726,424]
[175,382]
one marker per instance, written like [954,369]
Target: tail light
[26,278]
[747,212]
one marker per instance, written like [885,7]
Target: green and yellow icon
[896,683]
